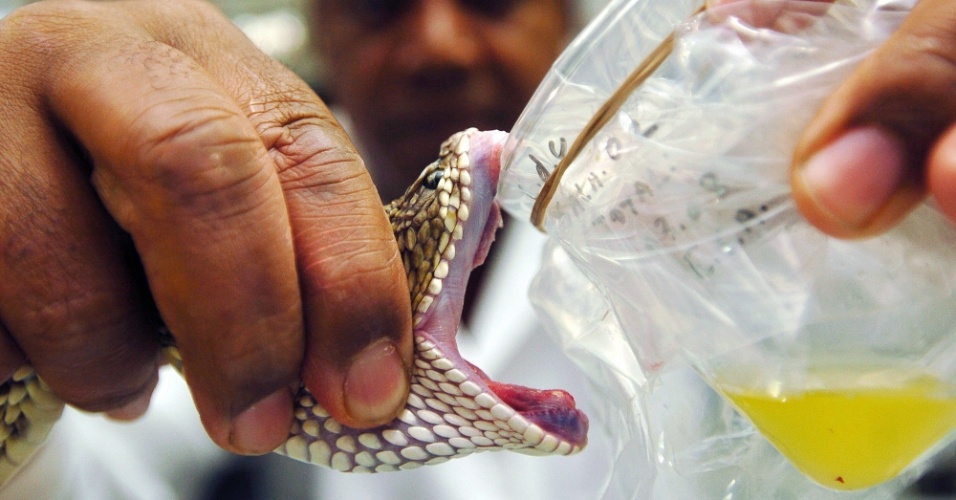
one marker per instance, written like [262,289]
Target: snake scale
[444,224]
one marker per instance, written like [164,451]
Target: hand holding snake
[151,146]
[260,239]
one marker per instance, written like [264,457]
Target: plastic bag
[679,263]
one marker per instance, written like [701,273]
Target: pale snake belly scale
[444,225]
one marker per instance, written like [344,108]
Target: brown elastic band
[644,70]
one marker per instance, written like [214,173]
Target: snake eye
[432,180]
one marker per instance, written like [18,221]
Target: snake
[444,225]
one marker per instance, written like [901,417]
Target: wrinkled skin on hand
[886,138]
[154,160]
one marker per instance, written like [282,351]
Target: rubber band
[643,71]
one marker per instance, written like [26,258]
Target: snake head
[445,224]
[453,197]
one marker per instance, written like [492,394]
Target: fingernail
[132,410]
[376,384]
[853,177]
[255,430]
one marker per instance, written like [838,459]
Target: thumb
[885,137]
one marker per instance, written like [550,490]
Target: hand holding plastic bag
[679,213]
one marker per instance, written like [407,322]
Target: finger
[359,311]
[179,167]
[357,306]
[859,167]
[941,176]
[67,297]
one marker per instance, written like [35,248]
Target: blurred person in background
[408,73]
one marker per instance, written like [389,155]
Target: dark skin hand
[886,138]
[262,239]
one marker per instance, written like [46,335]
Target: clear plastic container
[842,353]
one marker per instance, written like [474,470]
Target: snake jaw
[444,225]
[551,414]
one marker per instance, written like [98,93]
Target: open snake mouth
[445,224]
[514,417]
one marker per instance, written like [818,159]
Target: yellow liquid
[853,438]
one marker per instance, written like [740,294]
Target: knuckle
[313,157]
[206,162]
[333,171]
[308,145]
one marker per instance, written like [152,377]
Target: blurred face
[412,72]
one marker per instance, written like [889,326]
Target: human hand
[259,232]
[885,138]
